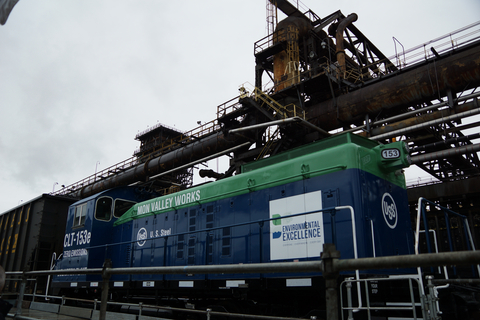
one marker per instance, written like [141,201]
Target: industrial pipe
[408,261]
[280,122]
[191,164]
[417,123]
[415,113]
[340,48]
[192,152]
[204,173]
[447,142]
[266,124]
[457,72]
[471,148]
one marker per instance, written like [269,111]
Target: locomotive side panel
[348,171]
[120,253]
[235,239]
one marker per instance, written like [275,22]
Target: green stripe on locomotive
[342,152]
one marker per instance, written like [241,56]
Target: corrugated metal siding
[31,232]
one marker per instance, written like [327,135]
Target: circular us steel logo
[141,237]
[389,210]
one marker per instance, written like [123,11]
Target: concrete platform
[38,314]
[56,312]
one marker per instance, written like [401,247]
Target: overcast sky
[80,78]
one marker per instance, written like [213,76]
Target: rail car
[345,190]
[30,234]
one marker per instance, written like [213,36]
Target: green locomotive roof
[346,151]
[332,142]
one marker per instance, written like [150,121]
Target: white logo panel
[389,210]
[296,237]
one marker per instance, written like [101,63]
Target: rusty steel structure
[316,77]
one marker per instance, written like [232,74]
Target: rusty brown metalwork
[458,72]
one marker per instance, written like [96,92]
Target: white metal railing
[336,264]
[371,288]
[450,41]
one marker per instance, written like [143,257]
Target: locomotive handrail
[421,212]
[259,221]
[408,306]
[436,248]
[355,252]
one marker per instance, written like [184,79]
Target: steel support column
[330,273]
[105,286]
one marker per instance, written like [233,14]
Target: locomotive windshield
[103,211]
[121,206]
[106,205]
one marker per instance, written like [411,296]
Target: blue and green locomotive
[345,190]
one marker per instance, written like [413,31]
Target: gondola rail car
[30,234]
[238,220]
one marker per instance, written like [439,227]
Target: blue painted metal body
[244,228]
[237,236]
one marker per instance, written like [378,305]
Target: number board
[390,153]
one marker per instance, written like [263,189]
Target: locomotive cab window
[80,215]
[103,210]
[122,206]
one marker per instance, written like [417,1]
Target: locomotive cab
[88,233]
